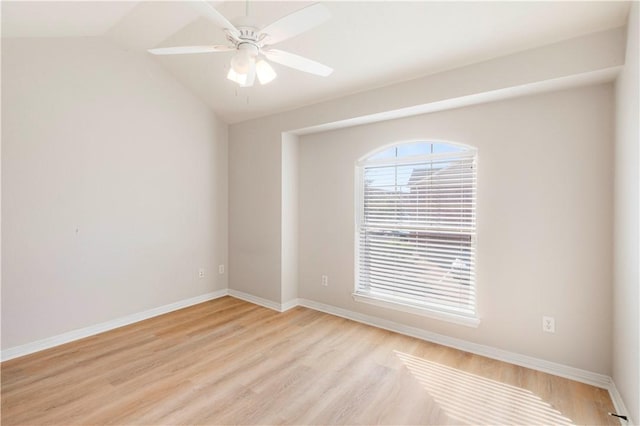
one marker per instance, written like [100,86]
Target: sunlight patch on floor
[478,400]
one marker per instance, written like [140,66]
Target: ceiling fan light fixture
[265,72]
[236,78]
[243,79]
[252,43]
[241,62]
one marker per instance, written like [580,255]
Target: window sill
[425,312]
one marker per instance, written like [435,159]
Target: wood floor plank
[227,361]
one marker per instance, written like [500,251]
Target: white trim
[583,376]
[289,305]
[618,404]
[81,333]
[572,373]
[256,300]
[280,307]
[588,78]
[425,312]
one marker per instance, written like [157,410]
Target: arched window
[416,229]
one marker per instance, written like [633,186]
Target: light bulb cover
[241,62]
[243,65]
[265,72]
[241,79]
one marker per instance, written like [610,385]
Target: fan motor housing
[250,47]
[248,35]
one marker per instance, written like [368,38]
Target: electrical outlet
[221,269]
[548,324]
[325,280]
[201,272]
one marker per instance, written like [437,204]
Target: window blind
[416,232]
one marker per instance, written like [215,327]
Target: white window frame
[423,309]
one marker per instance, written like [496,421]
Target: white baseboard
[583,376]
[255,300]
[60,339]
[572,373]
[280,307]
[289,305]
[588,377]
[618,404]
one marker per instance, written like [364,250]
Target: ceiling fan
[252,45]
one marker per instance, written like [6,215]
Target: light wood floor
[231,362]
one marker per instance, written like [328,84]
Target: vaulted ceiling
[369,44]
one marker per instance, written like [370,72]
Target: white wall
[255,147]
[114,187]
[289,224]
[255,214]
[544,220]
[626,301]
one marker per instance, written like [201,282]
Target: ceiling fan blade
[295,23]
[210,12]
[298,62]
[190,49]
